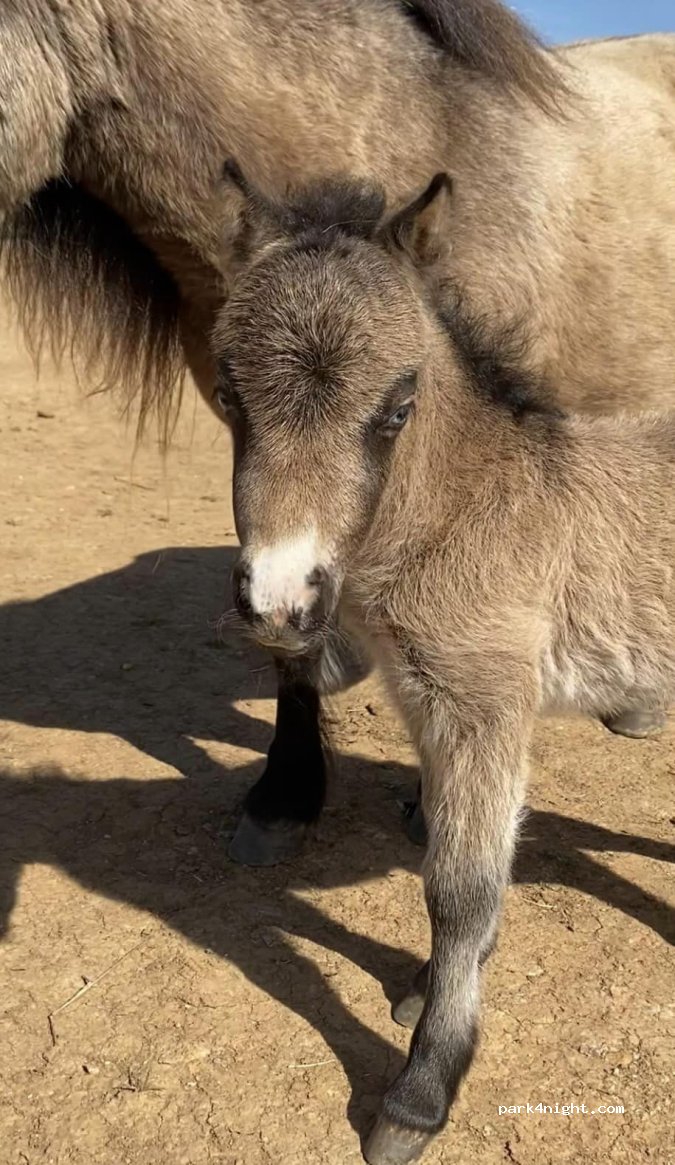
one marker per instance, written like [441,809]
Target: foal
[495,557]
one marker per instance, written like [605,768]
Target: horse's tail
[84,284]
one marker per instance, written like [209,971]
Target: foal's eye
[397,420]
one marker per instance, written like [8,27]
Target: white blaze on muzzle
[280,574]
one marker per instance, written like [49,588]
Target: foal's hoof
[389,1144]
[637,725]
[409,1010]
[266,845]
[414,823]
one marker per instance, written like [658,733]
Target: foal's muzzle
[291,623]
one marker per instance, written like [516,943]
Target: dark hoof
[266,845]
[389,1144]
[409,1010]
[637,725]
[414,823]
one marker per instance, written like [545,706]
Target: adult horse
[119,236]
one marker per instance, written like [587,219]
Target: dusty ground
[203,1013]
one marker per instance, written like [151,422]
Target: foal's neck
[465,450]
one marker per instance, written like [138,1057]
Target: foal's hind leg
[289,797]
[638,724]
[472,793]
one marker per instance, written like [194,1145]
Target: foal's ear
[258,217]
[422,228]
[233,173]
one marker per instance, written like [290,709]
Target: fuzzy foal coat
[497,557]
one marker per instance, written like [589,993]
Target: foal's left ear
[422,228]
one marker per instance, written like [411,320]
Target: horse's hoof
[414,823]
[266,845]
[637,725]
[389,1144]
[409,1010]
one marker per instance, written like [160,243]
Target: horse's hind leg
[288,798]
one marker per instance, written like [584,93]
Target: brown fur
[565,219]
[496,557]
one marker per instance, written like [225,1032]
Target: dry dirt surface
[161,1006]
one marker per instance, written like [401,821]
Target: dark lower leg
[416,1106]
[289,795]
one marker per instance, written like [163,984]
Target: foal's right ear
[233,173]
[422,228]
[258,216]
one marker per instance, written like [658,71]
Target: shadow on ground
[131,654]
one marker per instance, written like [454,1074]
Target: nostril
[320,582]
[297,619]
[241,588]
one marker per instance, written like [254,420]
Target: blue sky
[561,20]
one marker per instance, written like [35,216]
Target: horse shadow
[131,653]
[135,653]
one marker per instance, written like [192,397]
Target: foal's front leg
[289,796]
[473,760]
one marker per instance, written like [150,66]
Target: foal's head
[321,351]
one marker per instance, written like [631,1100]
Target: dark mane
[80,278]
[346,205]
[317,212]
[494,359]
[489,39]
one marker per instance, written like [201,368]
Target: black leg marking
[290,794]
